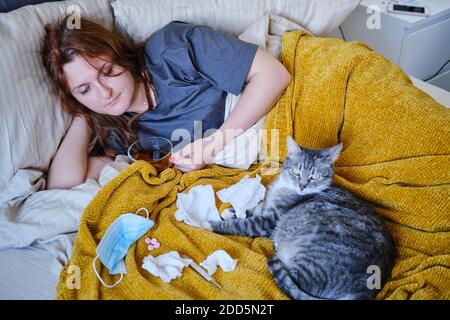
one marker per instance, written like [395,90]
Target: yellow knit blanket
[396,154]
[396,149]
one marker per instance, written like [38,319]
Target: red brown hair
[61,45]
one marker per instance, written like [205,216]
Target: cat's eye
[316,175]
[295,171]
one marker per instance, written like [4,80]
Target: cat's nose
[302,187]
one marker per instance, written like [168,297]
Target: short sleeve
[224,60]
[221,59]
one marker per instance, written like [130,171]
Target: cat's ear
[332,154]
[292,146]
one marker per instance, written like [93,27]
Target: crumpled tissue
[219,258]
[243,195]
[197,206]
[167,266]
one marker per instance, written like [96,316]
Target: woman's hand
[196,155]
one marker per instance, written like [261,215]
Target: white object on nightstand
[419,45]
[422,10]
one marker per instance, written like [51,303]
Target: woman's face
[103,87]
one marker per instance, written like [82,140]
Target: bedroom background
[38,226]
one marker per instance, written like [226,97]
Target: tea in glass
[154,150]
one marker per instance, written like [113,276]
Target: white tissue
[243,195]
[197,206]
[167,266]
[219,258]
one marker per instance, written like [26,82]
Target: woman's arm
[266,81]
[69,166]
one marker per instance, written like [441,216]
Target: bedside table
[419,45]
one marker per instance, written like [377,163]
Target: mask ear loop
[121,275]
[137,212]
[101,280]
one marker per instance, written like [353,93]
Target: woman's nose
[105,90]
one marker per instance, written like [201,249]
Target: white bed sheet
[24,274]
[37,235]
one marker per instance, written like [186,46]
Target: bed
[35,246]
[32,272]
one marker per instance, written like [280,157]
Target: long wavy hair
[62,44]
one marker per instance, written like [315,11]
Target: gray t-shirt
[192,68]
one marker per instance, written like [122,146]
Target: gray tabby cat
[328,243]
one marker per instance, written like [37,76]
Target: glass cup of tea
[154,150]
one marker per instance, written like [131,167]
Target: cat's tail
[285,282]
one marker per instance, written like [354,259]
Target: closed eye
[86,90]
[109,71]
[106,71]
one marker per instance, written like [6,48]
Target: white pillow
[140,18]
[32,122]
[266,32]
[320,17]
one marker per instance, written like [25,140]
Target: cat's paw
[228,214]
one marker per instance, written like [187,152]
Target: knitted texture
[396,150]
[396,154]
[139,186]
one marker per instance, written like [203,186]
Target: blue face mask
[116,242]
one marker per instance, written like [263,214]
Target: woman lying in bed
[118,91]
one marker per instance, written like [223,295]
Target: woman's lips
[113,102]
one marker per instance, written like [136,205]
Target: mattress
[32,272]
